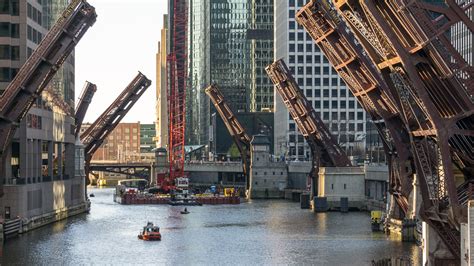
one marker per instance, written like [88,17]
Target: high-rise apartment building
[161,123]
[230,43]
[43,148]
[322,86]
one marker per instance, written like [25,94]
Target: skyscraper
[230,43]
[161,124]
[321,85]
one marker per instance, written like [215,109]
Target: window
[360,115]
[15,53]
[325,115]
[325,93]
[342,92]
[300,49]
[309,93]
[317,92]
[344,186]
[300,36]
[325,104]
[4,51]
[292,47]
[334,104]
[292,58]
[326,82]
[343,104]
[292,13]
[5,7]
[291,24]
[351,104]
[334,93]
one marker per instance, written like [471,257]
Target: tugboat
[185,211]
[150,232]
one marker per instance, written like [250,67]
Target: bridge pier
[435,251]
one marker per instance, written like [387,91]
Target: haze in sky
[123,41]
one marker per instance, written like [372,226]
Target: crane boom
[95,135]
[39,69]
[236,130]
[84,100]
[324,148]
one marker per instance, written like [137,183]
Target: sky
[123,41]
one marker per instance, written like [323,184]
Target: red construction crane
[177,69]
[84,100]
[95,135]
[38,70]
[324,148]
[236,130]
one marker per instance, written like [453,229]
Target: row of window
[342,116]
[300,59]
[11,7]
[34,14]
[34,35]
[317,92]
[300,46]
[8,52]
[8,29]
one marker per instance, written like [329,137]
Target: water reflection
[258,232]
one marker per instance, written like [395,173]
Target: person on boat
[185,209]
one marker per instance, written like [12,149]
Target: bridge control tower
[268,179]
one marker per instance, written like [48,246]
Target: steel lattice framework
[429,83]
[177,69]
[95,135]
[39,69]
[324,148]
[81,109]
[236,130]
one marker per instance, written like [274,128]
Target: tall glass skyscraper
[230,44]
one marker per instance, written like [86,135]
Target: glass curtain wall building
[230,44]
[321,85]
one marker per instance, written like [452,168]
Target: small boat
[150,232]
[92,195]
[185,211]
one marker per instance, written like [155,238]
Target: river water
[256,232]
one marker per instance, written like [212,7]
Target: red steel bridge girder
[38,70]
